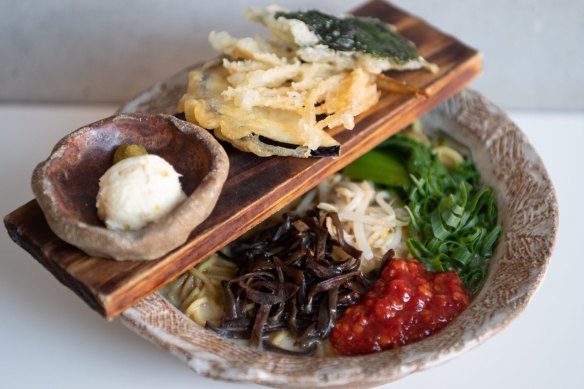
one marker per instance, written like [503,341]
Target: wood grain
[256,187]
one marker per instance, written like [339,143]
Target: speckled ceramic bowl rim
[529,216]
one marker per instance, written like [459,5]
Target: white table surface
[51,339]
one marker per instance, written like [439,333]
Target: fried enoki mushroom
[278,96]
[295,279]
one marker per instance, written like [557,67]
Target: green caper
[128,151]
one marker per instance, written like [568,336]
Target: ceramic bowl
[66,184]
[528,214]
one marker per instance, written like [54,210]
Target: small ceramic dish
[66,184]
[528,214]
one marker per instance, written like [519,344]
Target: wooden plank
[256,187]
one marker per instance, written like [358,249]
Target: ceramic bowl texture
[528,213]
[66,184]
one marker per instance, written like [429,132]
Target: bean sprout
[372,220]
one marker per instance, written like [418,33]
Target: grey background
[108,51]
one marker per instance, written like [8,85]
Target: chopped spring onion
[453,219]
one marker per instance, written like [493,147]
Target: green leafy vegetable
[351,33]
[378,167]
[453,220]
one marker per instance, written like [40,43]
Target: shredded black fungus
[289,278]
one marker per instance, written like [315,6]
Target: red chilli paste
[406,304]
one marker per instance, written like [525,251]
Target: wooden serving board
[256,187]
